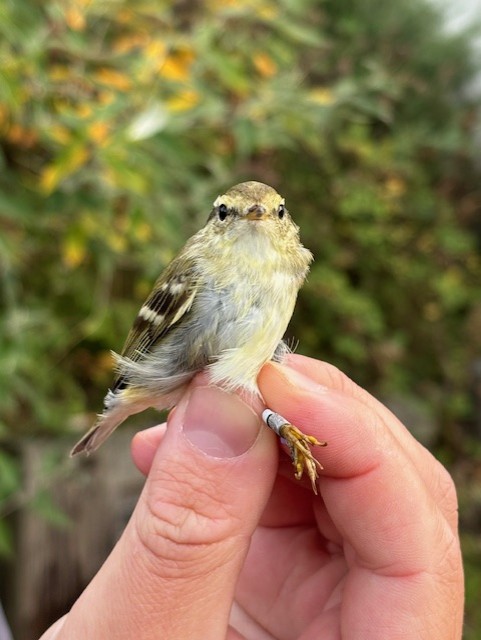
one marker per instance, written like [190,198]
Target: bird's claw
[301,455]
[299,446]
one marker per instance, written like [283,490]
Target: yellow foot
[298,443]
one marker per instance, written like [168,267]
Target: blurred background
[120,122]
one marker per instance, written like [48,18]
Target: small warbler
[223,304]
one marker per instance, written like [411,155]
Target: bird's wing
[170,299]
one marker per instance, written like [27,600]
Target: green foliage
[121,121]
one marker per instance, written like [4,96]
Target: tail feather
[119,406]
[101,430]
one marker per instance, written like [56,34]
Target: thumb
[175,568]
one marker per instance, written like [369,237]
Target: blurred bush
[122,120]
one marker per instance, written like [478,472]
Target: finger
[318,410]
[174,570]
[390,522]
[53,632]
[330,376]
[144,446]
[436,478]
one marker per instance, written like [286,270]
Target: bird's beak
[256,212]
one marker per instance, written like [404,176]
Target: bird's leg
[298,443]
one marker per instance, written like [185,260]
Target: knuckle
[446,488]
[185,527]
[446,495]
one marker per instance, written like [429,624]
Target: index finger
[437,480]
[372,489]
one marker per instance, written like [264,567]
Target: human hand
[379,556]
[219,546]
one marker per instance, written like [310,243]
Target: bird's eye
[222,211]
[281,210]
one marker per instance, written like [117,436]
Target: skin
[225,544]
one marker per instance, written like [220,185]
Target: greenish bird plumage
[223,304]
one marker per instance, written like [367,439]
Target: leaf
[177,65]
[183,101]
[98,132]
[323,96]
[74,249]
[264,64]
[147,123]
[113,78]
[66,164]
[75,18]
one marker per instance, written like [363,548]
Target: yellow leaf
[183,101]
[75,19]
[177,65]
[98,132]
[155,49]
[265,65]
[49,178]
[73,251]
[322,95]
[64,166]
[112,78]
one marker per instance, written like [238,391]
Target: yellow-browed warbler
[222,305]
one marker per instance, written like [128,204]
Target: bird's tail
[98,434]
[119,405]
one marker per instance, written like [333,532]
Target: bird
[222,306]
